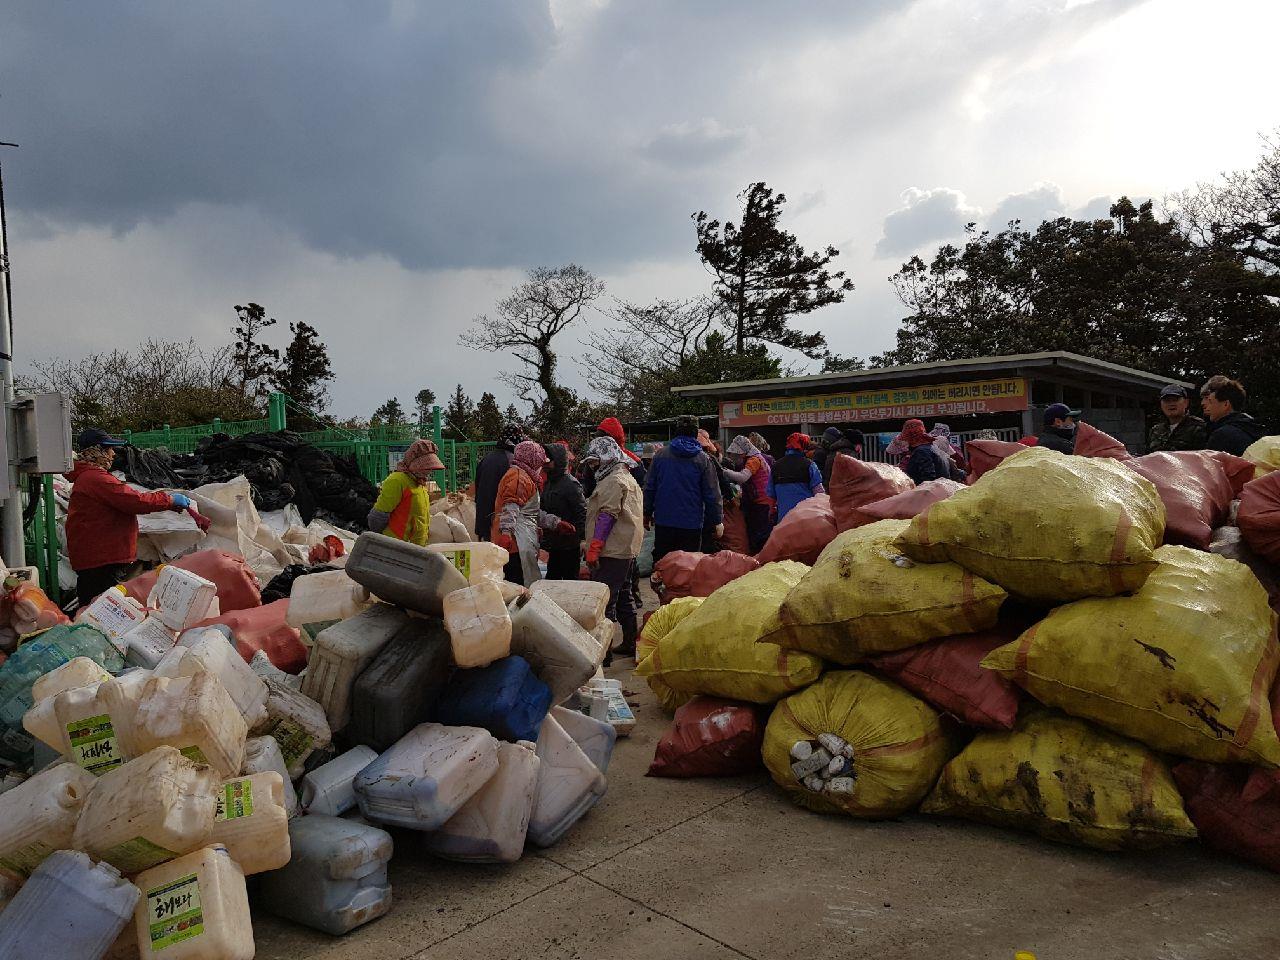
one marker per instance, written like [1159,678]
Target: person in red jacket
[102,521]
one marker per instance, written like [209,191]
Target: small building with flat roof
[1005,394]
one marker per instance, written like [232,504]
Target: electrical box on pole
[40,441]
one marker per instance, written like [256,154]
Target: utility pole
[12,540]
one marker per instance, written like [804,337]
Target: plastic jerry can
[427,776]
[262,754]
[335,880]
[394,692]
[491,826]
[39,816]
[266,670]
[182,597]
[479,625]
[329,789]
[325,596]
[504,698]
[569,785]
[209,650]
[196,715]
[152,809]
[478,561]
[195,908]
[148,642]
[252,823]
[342,652]
[595,738]
[512,592]
[115,613]
[70,909]
[40,720]
[559,650]
[96,723]
[403,573]
[607,633]
[297,723]
[584,600]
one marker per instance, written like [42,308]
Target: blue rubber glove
[180,501]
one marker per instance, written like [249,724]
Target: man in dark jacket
[682,494]
[1059,431]
[1179,430]
[490,473]
[1230,428]
[563,496]
[831,443]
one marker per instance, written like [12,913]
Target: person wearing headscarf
[795,478]
[762,445]
[615,526]
[832,443]
[518,513]
[403,507]
[941,434]
[489,474]
[711,540]
[681,494]
[562,495]
[612,427]
[923,462]
[751,472]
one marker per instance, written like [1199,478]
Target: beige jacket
[618,494]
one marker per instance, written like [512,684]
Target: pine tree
[488,418]
[424,401]
[390,414]
[459,415]
[511,414]
[304,370]
[254,360]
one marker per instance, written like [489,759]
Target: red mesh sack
[1092,442]
[673,575]
[1259,515]
[238,586]
[1197,487]
[855,483]
[947,674]
[908,505]
[803,533]
[735,529]
[710,738]
[986,455]
[716,569]
[264,628]
[1215,799]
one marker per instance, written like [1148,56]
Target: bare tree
[526,322]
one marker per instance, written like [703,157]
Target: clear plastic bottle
[39,816]
[196,715]
[561,653]
[262,754]
[331,595]
[252,822]
[479,625]
[569,785]
[584,600]
[195,908]
[70,908]
[491,826]
[209,650]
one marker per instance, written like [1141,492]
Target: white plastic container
[93,735]
[120,697]
[39,816]
[491,826]
[262,754]
[341,652]
[182,597]
[297,723]
[331,595]
[252,823]
[478,561]
[329,789]
[209,650]
[148,642]
[115,614]
[70,909]
[605,635]
[617,710]
[584,600]
[595,737]
[569,785]
[265,670]
[512,592]
[41,720]
[562,654]
[196,715]
[479,625]
[195,908]
[427,776]
[152,809]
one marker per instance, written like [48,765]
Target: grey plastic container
[404,573]
[342,653]
[336,878]
[70,909]
[395,692]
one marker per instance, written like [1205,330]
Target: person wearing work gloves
[518,513]
[102,520]
[563,497]
[752,474]
[795,478]
[489,474]
[682,494]
[403,507]
[614,523]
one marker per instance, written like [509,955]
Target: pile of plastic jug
[173,758]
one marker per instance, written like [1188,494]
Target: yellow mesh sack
[1264,454]
[662,622]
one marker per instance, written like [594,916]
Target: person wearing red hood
[923,461]
[795,478]
[102,519]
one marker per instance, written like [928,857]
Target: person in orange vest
[403,508]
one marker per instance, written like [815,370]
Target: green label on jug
[295,743]
[235,800]
[136,855]
[94,745]
[194,754]
[174,913]
[25,859]
[462,560]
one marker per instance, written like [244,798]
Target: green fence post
[217,424]
[436,424]
[276,412]
[53,586]
[168,435]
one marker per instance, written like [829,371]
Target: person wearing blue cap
[1059,431]
[1179,430]
[102,519]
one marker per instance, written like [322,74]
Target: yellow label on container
[235,800]
[295,742]
[462,560]
[174,912]
[94,744]
[136,855]
[194,754]
[25,859]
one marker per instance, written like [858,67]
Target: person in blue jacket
[795,478]
[682,494]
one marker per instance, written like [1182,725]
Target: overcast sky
[386,170]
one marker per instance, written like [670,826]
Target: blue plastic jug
[506,698]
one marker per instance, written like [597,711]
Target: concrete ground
[709,869]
